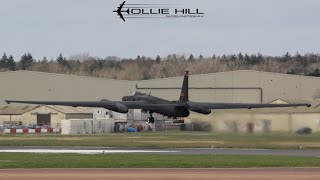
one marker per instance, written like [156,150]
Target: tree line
[143,68]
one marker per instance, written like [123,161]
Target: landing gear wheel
[150,120]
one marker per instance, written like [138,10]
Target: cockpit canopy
[138,93]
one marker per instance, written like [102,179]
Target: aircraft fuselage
[170,111]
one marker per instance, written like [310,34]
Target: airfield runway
[218,151]
[159,174]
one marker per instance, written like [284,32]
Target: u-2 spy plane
[152,104]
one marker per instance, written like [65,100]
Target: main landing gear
[150,119]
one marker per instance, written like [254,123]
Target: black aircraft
[119,11]
[152,104]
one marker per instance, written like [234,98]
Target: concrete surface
[225,151]
[159,174]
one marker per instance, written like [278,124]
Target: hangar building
[234,86]
[242,86]
[42,115]
[49,86]
[237,86]
[263,120]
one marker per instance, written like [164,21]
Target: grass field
[25,160]
[167,140]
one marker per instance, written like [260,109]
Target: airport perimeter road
[159,174]
[218,151]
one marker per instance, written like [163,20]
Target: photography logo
[126,11]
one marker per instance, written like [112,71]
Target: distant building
[263,120]
[231,87]
[42,115]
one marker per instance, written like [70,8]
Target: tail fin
[184,96]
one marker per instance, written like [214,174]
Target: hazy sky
[48,27]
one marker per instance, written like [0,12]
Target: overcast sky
[48,27]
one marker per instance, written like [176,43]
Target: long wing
[123,106]
[106,104]
[121,16]
[112,105]
[199,105]
[121,6]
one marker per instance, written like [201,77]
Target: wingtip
[308,105]
[7,101]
